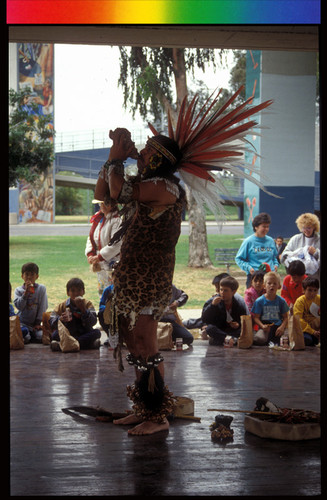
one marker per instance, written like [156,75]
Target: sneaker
[96,344]
[55,345]
[27,339]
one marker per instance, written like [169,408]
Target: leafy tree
[31,149]
[148,76]
[69,201]
[237,78]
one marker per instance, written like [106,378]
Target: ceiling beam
[75,181]
[253,37]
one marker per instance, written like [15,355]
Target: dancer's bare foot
[148,427]
[128,420]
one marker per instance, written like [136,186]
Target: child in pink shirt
[255,290]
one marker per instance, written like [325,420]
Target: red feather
[170,127]
[203,135]
[153,130]
[198,171]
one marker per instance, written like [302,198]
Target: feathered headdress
[206,140]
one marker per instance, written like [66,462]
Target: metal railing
[91,139]
[98,139]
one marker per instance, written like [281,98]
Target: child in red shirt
[292,284]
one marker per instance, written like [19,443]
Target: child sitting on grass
[307,307]
[292,284]
[78,316]
[270,312]
[31,301]
[222,316]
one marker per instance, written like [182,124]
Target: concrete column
[287,147]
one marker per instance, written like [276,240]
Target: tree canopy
[31,149]
[149,76]
[153,80]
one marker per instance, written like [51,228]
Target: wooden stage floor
[55,454]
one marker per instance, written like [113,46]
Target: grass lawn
[62,257]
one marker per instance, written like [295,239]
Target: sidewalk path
[36,229]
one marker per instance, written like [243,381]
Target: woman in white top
[99,253]
[309,241]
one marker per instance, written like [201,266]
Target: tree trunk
[179,69]
[198,243]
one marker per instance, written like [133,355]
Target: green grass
[62,257]
[72,219]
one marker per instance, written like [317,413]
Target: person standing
[258,248]
[305,246]
[154,202]
[280,245]
[99,254]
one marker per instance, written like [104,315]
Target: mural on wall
[36,72]
[251,191]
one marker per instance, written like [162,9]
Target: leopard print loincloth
[143,276]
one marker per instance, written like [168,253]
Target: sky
[87,96]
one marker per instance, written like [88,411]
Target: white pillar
[288,145]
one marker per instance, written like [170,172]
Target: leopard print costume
[143,276]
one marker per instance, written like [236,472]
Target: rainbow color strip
[163,12]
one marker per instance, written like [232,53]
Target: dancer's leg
[142,342]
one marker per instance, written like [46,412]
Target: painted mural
[36,72]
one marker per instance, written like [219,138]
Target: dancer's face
[144,157]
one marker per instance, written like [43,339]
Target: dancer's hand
[123,146]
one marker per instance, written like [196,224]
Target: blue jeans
[85,340]
[180,332]
[31,335]
[310,339]
[218,335]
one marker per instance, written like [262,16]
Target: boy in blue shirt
[31,301]
[270,312]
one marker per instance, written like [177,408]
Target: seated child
[255,290]
[270,312]
[106,294]
[307,307]
[78,316]
[11,307]
[292,284]
[198,323]
[178,299]
[222,316]
[31,301]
